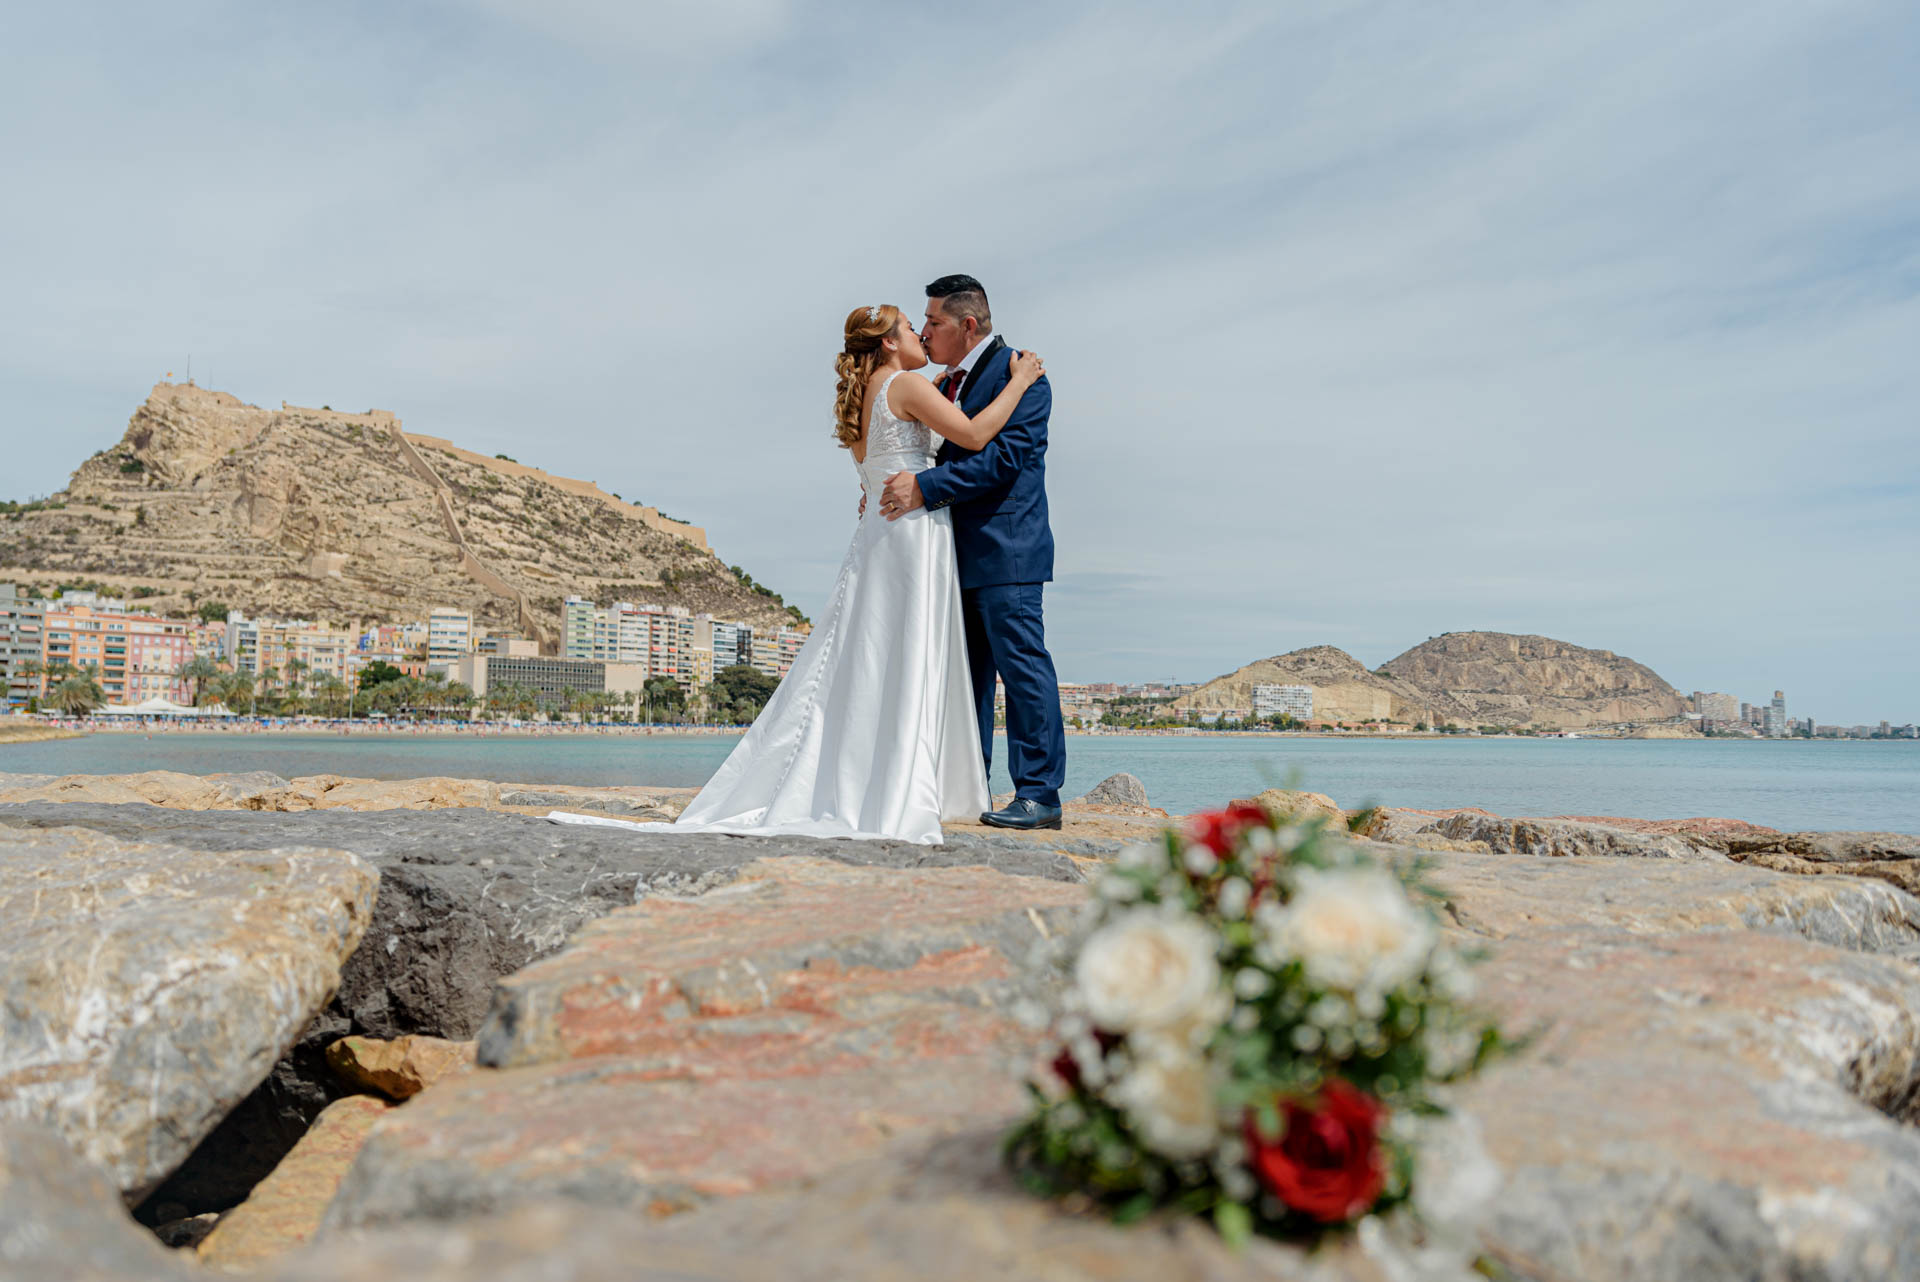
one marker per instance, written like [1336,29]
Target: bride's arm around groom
[964,474]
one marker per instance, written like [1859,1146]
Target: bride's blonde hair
[861,352]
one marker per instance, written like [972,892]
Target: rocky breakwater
[793,1058]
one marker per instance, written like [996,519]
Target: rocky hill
[1469,678]
[1343,689]
[320,514]
[1503,679]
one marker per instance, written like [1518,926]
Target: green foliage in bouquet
[1258,1015]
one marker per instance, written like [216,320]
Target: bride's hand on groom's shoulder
[1028,368]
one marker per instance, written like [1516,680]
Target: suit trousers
[1006,636]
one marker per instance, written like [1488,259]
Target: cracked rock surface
[467,896]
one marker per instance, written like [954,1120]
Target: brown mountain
[1469,678]
[1343,689]
[1501,679]
[313,513]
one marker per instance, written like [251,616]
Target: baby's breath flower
[1250,982]
[1235,895]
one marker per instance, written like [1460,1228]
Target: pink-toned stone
[680,1050]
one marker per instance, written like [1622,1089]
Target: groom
[1003,543]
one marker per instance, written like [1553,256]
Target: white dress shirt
[972,358]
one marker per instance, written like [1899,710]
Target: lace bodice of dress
[893,444]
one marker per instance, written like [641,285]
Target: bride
[873,732]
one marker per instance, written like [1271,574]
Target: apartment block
[449,634]
[265,647]
[22,644]
[136,655]
[552,680]
[732,644]
[1714,706]
[669,641]
[1283,700]
[774,653]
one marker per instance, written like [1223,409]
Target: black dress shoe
[1024,813]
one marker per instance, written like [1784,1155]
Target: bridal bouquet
[1257,1015]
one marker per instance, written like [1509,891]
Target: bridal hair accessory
[1255,1022]
[873,313]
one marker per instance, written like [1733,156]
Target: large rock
[943,1211]
[167,788]
[1116,790]
[1286,805]
[1833,847]
[684,1049]
[401,1068]
[1734,1105]
[60,1218]
[284,1209]
[1499,896]
[1560,837]
[145,989]
[466,897]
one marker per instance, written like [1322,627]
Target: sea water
[1788,784]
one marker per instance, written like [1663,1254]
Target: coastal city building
[1773,718]
[449,634]
[1283,700]
[732,644]
[504,647]
[774,653]
[134,656]
[553,681]
[266,648]
[22,644]
[1714,706]
[669,641]
[395,639]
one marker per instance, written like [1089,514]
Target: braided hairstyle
[855,365]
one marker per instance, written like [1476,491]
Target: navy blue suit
[1004,546]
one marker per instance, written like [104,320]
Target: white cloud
[1366,321]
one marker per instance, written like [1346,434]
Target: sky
[1365,321]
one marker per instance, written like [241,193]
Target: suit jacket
[998,494]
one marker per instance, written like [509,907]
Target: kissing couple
[872,732]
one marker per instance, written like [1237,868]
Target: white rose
[1354,928]
[1146,970]
[1168,1096]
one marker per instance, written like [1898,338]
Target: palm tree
[78,692]
[296,671]
[459,696]
[32,670]
[232,687]
[328,689]
[200,669]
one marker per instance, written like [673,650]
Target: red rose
[1067,1068]
[1327,1163]
[1220,830]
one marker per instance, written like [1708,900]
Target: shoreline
[37,730]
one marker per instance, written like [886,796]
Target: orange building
[136,655]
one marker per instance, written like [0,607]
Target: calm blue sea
[1788,784]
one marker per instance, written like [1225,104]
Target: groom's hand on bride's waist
[901,495]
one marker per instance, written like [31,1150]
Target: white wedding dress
[873,732]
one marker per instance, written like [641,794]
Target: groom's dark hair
[963,296]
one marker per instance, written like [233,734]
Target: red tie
[954,379]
